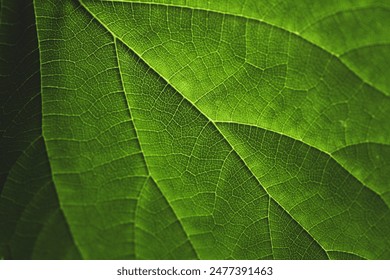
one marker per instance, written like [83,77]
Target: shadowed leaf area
[172,129]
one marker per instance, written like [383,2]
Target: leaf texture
[195,130]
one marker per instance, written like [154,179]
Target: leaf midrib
[214,122]
[211,121]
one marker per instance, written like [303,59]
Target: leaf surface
[32,223]
[213,130]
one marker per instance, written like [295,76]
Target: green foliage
[173,129]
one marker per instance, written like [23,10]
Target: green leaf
[195,130]
[32,223]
